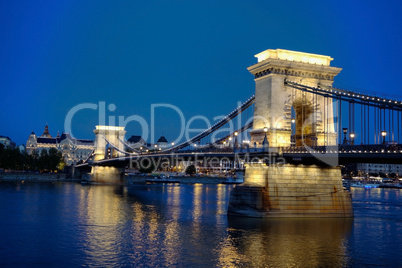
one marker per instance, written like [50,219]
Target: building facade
[136,142]
[162,142]
[377,168]
[7,142]
[73,150]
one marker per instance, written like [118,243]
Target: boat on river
[162,179]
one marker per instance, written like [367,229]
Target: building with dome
[73,150]
[136,142]
[162,142]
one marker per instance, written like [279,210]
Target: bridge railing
[369,148]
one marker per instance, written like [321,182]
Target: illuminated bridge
[291,137]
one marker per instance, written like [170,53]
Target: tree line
[13,159]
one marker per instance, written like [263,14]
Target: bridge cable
[215,127]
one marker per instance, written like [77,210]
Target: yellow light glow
[113,128]
[289,55]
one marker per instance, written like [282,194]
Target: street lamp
[345,131]
[383,134]
[265,141]
[235,139]
[352,138]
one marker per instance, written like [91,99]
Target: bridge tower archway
[274,100]
[106,138]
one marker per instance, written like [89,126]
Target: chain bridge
[297,123]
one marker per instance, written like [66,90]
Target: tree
[146,165]
[191,170]
[54,159]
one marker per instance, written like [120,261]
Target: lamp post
[292,137]
[235,140]
[383,134]
[352,138]
[345,131]
[265,141]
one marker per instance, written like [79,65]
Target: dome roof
[162,139]
[46,133]
[136,139]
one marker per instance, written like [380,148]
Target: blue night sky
[55,55]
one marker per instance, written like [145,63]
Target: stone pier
[105,174]
[288,190]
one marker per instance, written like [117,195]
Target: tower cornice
[292,68]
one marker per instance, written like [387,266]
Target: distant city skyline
[194,56]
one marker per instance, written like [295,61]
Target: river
[185,225]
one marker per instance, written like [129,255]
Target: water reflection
[286,242]
[185,225]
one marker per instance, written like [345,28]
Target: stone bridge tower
[278,107]
[113,135]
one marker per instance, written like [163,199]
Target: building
[136,142]
[377,168]
[21,148]
[73,150]
[162,142]
[7,142]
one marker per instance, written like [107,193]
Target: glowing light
[289,55]
[110,128]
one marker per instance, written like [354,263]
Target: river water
[185,225]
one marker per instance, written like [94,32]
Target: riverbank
[131,179]
[33,177]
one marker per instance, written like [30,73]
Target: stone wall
[291,191]
[32,176]
[105,174]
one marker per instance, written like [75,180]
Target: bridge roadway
[323,155]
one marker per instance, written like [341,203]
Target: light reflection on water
[67,224]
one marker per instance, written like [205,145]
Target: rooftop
[289,55]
